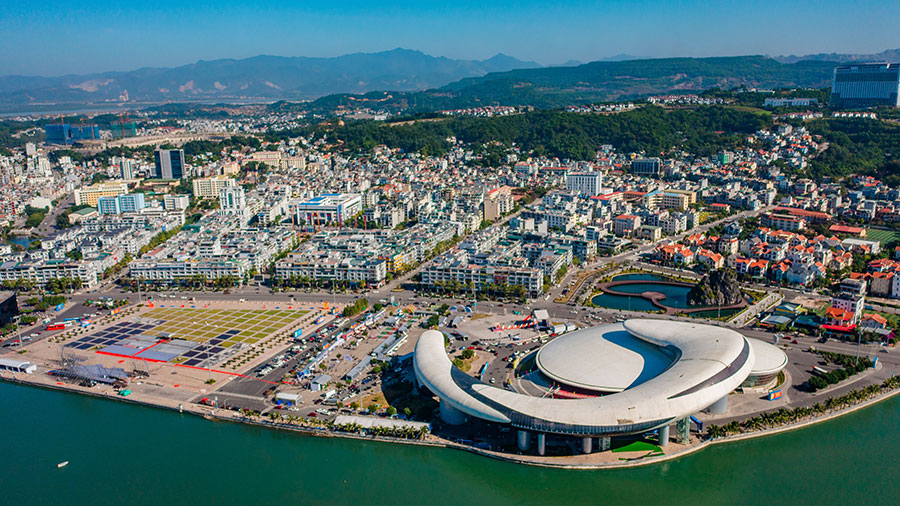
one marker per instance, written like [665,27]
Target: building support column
[541,443]
[451,415]
[719,407]
[523,440]
[604,443]
[587,444]
[664,436]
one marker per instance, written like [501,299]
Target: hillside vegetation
[558,133]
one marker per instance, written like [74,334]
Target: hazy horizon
[53,38]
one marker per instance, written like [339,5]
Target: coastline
[532,460]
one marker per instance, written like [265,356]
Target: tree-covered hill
[593,82]
[557,133]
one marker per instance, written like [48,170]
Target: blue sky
[53,37]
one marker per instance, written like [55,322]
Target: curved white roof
[767,358]
[604,359]
[710,363]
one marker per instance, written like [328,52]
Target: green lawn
[639,446]
[882,236]
[202,324]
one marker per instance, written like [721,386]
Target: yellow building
[210,187]
[89,194]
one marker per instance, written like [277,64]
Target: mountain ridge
[261,76]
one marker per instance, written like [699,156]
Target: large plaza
[188,336]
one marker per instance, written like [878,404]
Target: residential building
[625,225]
[176,202]
[498,202]
[108,205]
[783,222]
[587,184]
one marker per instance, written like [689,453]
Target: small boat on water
[62,464]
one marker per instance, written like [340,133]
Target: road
[634,255]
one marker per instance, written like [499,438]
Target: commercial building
[613,380]
[328,208]
[66,134]
[9,307]
[168,164]
[588,184]
[89,194]
[448,269]
[790,102]
[848,303]
[859,85]
[16,365]
[232,200]
[211,187]
[647,167]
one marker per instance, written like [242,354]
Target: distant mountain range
[259,77]
[412,81]
[890,55]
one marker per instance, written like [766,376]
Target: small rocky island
[717,288]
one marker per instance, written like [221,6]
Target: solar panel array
[188,335]
[112,335]
[211,348]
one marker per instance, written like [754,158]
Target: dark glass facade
[66,134]
[866,85]
[168,163]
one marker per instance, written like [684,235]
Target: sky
[51,37]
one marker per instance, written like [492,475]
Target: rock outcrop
[717,288]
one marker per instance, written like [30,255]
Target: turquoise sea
[127,454]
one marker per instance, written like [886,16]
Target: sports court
[188,336]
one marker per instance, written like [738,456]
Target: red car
[312,414]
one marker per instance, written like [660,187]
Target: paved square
[188,336]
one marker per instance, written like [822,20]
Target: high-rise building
[169,164]
[858,85]
[587,183]
[126,169]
